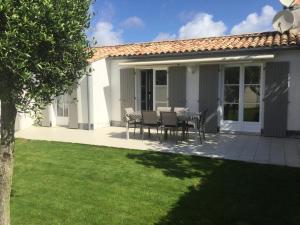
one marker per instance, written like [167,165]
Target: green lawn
[71,184]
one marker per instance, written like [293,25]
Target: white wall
[193,88]
[115,90]
[294,88]
[100,99]
[23,121]
[49,118]
[82,101]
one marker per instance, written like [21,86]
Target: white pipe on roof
[202,60]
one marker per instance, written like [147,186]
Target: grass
[71,184]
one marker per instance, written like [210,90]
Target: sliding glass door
[62,110]
[147,90]
[242,98]
[153,86]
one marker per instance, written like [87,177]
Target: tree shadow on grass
[229,193]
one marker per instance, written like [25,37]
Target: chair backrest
[169,118]
[129,110]
[163,109]
[149,117]
[180,109]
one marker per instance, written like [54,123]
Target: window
[62,106]
[161,77]
[252,94]
[231,93]
[161,88]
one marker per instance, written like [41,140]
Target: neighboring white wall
[115,90]
[82,102]
[192,88]
[100,95]
[23,121]
[49,118]
[294,88]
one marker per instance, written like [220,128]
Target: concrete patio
[249,148]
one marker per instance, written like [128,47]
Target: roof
[214,44]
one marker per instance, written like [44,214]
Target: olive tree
[43,53]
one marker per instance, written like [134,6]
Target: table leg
[127,131]
[166,134]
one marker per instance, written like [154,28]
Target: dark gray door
[127,86]
[276,99]
[177,86]
[208,95]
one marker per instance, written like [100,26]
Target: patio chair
[132,123]
[203,123]
[149,120]
[169,121]
[198,125]
[181,109]
[163,109]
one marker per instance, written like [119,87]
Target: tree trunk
[8,118]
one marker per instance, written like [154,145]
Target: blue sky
[127,21]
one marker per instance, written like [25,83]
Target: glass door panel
[147,90]
[62,106]
[252,94]
[161,88]
[231,93]
[62,110]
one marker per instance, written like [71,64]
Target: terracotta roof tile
[246,41]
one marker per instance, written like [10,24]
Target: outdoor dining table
[184,117]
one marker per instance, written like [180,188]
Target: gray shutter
[46,120]
[208,95]
[127,86]
[73,110]
[177,86]
[276,99]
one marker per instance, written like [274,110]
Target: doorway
[154,89]
[62,110]
[147,90]
[242,98]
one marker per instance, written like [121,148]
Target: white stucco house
[248,83]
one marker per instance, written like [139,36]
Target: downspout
[88,101]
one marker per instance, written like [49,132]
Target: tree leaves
[43,48]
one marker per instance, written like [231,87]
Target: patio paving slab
[248,148]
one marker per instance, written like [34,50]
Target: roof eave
[208,53]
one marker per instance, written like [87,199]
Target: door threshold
[240,132]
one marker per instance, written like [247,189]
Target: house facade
[249,83]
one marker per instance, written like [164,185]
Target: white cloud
[107,11]
[185,16]
[202,25]
[133,22]
[105,34]
[164,37]
[255,22]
